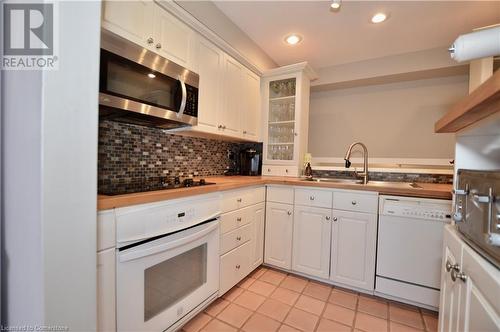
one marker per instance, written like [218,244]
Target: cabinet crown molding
[290,69]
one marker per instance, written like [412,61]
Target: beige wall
[393,120]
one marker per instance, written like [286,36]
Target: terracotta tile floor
[270,300]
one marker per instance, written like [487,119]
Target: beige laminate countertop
[427,190]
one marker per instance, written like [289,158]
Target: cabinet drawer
[280,194]
[234,266]
[274,170]
[106,233]
[355,201]
[231,220]
[237,199]
[312,197]
[235,238]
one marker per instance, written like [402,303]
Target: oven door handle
[133,254]
[184,97]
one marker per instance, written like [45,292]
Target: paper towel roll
[476,45]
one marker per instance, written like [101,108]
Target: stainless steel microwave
[139,86]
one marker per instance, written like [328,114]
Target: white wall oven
[167,263]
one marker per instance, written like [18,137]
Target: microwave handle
[139,253]
[184,97]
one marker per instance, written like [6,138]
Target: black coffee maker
[250,162]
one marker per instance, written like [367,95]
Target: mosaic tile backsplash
[130,153]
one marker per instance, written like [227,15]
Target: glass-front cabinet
[281,119]
[285,93]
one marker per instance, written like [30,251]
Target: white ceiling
[348,35]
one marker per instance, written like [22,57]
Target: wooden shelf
[482,102]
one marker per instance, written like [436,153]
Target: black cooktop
[150,184]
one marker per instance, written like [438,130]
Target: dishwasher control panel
[418,208]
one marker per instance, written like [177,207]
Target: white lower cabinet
[470,289]
[278,235]
[234,266]
[354,238]
[450,291]
[242,243]
[311,241]
[106,292]
[257,236]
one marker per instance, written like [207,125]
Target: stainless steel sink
[360,181]
[334,180]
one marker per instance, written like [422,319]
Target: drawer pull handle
[289,213]
[327,217]
[239,200]
[311,198]
[238,238]
[238,266]
[238,219]
[334,218]
[354,202]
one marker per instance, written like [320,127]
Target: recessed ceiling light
[379,18]
[151,75]
[336,4]
[293,39]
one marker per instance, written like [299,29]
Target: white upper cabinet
[132,20]
[354,238]
[173,38]
[148,24]
[229,119]
[311,241]
[250,106]
[286,118]
[210,60]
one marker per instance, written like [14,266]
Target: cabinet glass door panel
[281,119]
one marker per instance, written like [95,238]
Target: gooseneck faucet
[364,174]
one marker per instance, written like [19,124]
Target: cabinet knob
[354,202]
[219,126]
[238,266]
[238,219]
[158,46]
[289,213]
[311,198]
[334,218]
[460,275]
[295,134]
[239,200]
[244,131]
[327,217]
[449,266]
[150,40]
[268,170]
[286,170]
[238,238]
[223,126]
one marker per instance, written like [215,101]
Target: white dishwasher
[409,250]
